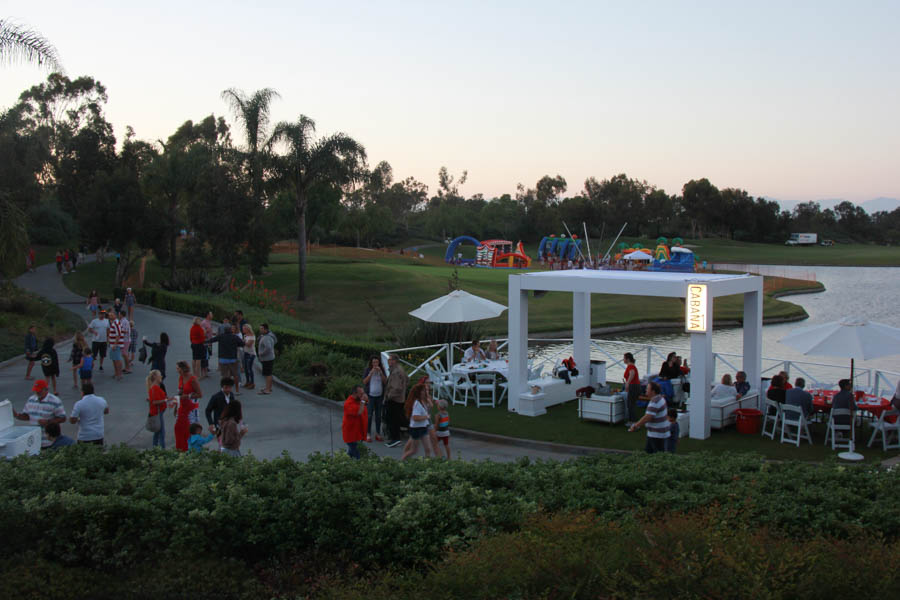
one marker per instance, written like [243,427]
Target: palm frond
[18,43]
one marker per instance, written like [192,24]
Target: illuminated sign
[695,308]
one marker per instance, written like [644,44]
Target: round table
[822,400]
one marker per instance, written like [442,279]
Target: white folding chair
[464,385]
[887,430]
[503,385]
[836,431]
[440,385]
[792,417]
[485,385]
[773,416]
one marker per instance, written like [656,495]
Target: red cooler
[748,420]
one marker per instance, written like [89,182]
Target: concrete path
[277,423]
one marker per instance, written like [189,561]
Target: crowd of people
[113,334]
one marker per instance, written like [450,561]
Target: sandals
[263,392]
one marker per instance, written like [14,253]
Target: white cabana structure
[698,289]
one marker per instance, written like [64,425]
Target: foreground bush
[710,554]
[83,506]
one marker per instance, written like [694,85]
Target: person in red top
[157,398]
[632,385]
[356,417]
[198,341]
[188,393]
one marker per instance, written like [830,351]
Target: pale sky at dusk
[792,100]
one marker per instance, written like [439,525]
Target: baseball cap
[39,385]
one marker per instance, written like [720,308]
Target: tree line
[238,187]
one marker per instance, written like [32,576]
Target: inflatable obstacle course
[560,248]
[489,253]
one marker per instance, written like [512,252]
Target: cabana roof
[636,283]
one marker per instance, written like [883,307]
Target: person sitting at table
[843,400]
[776,390]
[724,389]
[474,353]
[787,380]
[797,396]
[492,352]
[741,384]
[669,368]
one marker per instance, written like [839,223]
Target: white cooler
[17,439]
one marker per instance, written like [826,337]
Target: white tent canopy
[583,283]
[457,307]
[638,255]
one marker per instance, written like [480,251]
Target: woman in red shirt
[156,396]
[632,386]
[356,418]
[188,393]
[198,339]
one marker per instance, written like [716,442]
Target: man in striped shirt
[115,342]
[656,421]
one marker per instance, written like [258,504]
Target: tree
[19,43]
[548,190]
[13,235]
[702,205]
[253,112]
[337,159]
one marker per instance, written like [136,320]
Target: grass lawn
[561,425]
[20,309]
[356,292]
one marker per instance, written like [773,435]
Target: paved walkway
[278,422]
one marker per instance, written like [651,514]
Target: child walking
[85,368]
[75,355]
[674,431]
[443,429]
[197,441]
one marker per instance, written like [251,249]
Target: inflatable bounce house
[561,248]
[665,257]
[489,253]
[675,258]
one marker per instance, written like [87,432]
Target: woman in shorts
[417,413]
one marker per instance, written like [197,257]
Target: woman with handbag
[156,397]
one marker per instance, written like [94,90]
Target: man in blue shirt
[797,396]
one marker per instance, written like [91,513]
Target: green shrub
[708,554]
[110,509]
[339,387]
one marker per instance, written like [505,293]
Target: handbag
[153,423]
[142,354]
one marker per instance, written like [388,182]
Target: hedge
[109,509]
[198,305]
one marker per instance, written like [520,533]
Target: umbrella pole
[852,380]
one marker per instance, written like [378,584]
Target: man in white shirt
[474,353]
[98,329]
[42,408]
[88,414]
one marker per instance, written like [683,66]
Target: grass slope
[367,294]
[20,309]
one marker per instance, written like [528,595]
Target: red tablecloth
[822,400]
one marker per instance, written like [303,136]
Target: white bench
[553,391]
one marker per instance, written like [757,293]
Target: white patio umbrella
[457,307]
[851,337]
[848,338]
[638,255]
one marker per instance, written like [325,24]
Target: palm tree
[18,43]
[337,159]
[253,113]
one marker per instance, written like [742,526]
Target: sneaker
[393,443]
[369,439]
[101,367]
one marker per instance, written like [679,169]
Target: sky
[790,100]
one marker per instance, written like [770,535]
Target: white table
[500,367]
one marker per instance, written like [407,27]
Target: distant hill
[870,206]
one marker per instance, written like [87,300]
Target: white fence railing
[543,352]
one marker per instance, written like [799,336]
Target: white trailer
[802,239]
